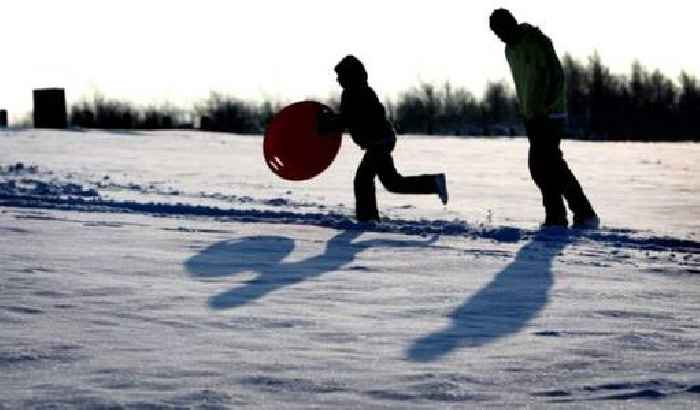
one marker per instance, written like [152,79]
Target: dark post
[50,108]
[3,118]
[205,123]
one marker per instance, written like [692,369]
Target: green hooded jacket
[537,73]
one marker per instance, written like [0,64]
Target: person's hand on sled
[328,122]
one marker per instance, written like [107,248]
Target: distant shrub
[643,105]
[115,114]
[429,110]
[230,114]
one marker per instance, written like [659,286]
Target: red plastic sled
[293,148]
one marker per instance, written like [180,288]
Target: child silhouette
[364,117]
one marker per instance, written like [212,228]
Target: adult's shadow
[501,308]
[265,255]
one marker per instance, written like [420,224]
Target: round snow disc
[293,147]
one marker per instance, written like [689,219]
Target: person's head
[504,25]
[350,72]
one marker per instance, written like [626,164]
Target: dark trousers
[552,175]
[377,161]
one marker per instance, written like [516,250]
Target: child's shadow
[501,308]
[265,255]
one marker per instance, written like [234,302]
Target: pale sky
[153,51]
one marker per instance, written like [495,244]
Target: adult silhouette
[539,83]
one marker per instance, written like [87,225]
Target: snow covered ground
[174,270]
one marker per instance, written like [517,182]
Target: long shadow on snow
[265,255]
[503,307]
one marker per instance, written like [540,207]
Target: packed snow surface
[172,269]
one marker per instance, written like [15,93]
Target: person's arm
[556,86]
[539,83]
[329,122]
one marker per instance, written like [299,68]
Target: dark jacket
[364,117]
[537,73]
